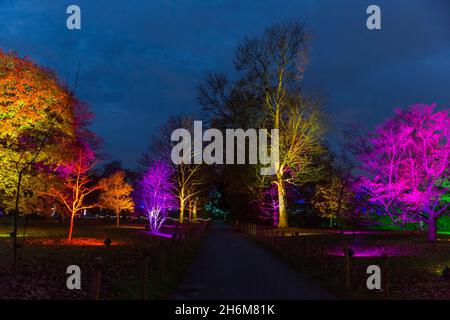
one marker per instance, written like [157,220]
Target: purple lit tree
[267,203]
[156,188]
[406,165]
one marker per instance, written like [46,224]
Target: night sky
[141,60]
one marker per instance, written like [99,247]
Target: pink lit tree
[406,165]
[156,188]
[267,203]
[78,183]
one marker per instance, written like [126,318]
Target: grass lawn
[45,254]
[415,265]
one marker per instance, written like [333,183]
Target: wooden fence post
[385,277]
[145,276]
[347,267]
[163,260]
[97,278]
[171,252]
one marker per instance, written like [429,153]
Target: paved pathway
[230,266]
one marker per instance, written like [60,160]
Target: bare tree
[78,185]
[187,177]
[333,197]
[271,67]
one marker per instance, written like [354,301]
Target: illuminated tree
[407,165]
[39,121]
[116,194]
[268,95]
[266,202]
[31,102]
[37,116]
[188,185]
[193,211]
[187,177]
[77,186]
[299,148]
[334,196]
[194,205]
[156,194]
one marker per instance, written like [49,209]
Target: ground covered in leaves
[414,265]
[45,254]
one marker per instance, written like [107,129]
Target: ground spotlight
[351,252]
[107,242]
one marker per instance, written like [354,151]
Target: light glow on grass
[82,242]
[7,235]
[159,234]
[376,251]
[142,227]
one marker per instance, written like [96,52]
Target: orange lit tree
[116,193]
[77,186]
[39,120]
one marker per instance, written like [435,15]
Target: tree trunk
[194,213]
[118,217]
[432,229]
[338,210]
[282,215]
[181,216]
[16,219]
[72,218]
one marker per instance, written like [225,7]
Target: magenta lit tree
[407,165]
[157,196]
[267,203]
[78,183]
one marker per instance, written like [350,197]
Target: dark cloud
[141,60]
